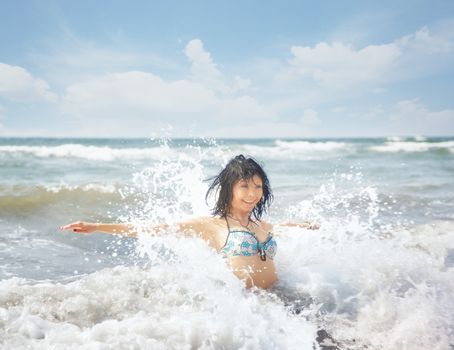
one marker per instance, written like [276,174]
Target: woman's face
[246,194]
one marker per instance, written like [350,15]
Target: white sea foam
[90,152]
[400,138]
[363,285]
[384,287]
[101,188]
[18,190]
[160,152]
[312,146]
[393,293]
[295,149]
[411,146]
[394,138]
[167,306]
[167,190]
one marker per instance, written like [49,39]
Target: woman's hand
[305,224]
[313,226]
[81,227]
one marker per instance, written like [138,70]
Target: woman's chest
[219,235]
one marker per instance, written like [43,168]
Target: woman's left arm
[282,229]
[305,224]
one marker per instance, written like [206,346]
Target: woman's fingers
[84,232]
[72,225]
[314,226]
[79,226]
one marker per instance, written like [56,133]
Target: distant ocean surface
[379,274]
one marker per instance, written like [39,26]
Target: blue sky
[226,68]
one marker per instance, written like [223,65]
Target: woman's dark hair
[238,168]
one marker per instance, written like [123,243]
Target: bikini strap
[228,234]
[227,222]
[269,238]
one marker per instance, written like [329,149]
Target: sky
[226,69]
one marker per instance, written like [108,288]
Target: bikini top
[246,243]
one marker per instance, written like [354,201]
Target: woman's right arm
[90,227]
[195,227]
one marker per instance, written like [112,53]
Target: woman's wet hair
[238,168]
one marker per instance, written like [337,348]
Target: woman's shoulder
[202,222]
[265,226]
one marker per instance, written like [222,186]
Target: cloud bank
[17,84]
[313,93]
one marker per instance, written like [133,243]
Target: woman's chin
[248,210]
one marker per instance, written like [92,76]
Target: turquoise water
[385,247]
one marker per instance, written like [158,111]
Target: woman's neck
[242,217]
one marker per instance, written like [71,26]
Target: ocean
[378,274]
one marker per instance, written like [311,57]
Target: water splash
[375,284]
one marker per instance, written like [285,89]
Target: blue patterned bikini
[246,243]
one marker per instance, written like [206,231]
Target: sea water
[378,274]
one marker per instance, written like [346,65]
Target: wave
[19,198]
[413,146]
[361,287]
[297,149]
[400,138]
[159,152]
[309,146]
[88,152]
[271,149]
[161,308]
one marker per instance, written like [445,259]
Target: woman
[235,230]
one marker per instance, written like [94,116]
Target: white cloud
[6,131]
[70,57]
[17,84]
[207,73]
[339,67]
[310,117]
[140,101]
[328,74]
[423,41]
[2,111]
[208,101]
[20,132]
[413,117]
[265,128]
[135,91]
[404,118]
[203,69]
[240,84]
[375,112]
[338,109]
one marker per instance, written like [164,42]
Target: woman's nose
[252,192]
